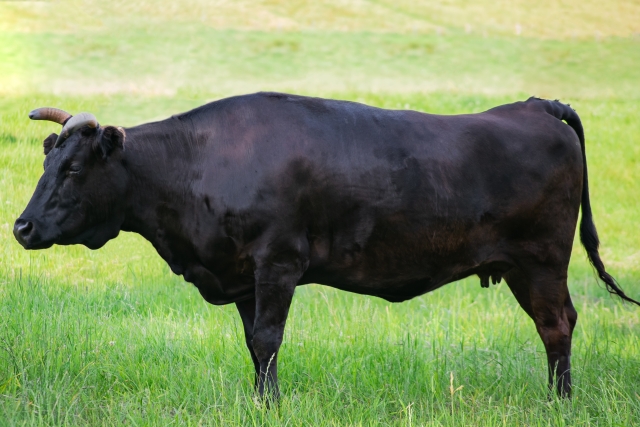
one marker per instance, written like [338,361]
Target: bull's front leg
[273,300]
[276,281]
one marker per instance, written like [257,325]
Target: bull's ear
[112,138]
[49,142]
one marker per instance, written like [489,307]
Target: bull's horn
[51,114]
[74,123]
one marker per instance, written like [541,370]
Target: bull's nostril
[22,228]
[25,228]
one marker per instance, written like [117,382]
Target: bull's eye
[75,169]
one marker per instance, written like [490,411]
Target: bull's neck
[156,156]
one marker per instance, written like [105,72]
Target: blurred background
[198,48]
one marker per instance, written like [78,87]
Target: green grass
[155,354]
[111,337]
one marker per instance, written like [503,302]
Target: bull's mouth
[34,236]
[35,245]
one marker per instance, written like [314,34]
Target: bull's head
[80,196]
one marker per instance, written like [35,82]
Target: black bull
[251,196]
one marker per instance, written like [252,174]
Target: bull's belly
[393,292]
[393,284]
[404,284]
[409,266]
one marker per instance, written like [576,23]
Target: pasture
[112,338]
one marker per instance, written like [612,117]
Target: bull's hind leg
[544,295]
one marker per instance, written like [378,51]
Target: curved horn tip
[51,114]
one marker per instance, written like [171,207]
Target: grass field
[112,338]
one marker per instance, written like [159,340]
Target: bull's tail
[588,233]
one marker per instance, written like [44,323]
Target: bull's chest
[212,265]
